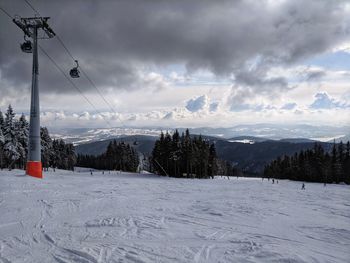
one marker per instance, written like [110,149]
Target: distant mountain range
[250,147]
[142,143]
[260,132]
[343,139]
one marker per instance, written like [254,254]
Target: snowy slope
[76,217]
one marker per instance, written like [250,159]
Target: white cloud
[324,101]
[153,80]
[344,47]
[181,117]
[198,104]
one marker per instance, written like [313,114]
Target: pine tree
[110,155]
[313,165]
[22,137]
[46,147]
[175,154]
[2,141]
[119,156]
[212,170]
[188,153]
[2,121]
[62,155]
[14,144]
[178,156]
[346,165]
[11,146]
[336,166]
[2,137]
[71,157]
[341,159]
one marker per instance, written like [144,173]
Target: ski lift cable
[65,47]
[89,79]
[103,98]
[32,7]
[91,82]
[74,85]
[5,12]
[64,74]
[11,17]
[85,74]
[61,70]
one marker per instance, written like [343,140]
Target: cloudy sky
[184,63]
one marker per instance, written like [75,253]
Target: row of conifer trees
[187,156]
[118,156]
[313,165]
[14,145]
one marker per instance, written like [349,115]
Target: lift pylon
[31,26]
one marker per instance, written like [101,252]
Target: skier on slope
[303,187]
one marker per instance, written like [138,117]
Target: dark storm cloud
[114,40]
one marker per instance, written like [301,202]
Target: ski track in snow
[76,217]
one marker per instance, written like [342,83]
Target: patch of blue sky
[168,69]
[339,60]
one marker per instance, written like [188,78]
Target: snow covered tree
[2,138]
[212,169]
[71,157]
[62,155]
[11,145]
[2,121]
[2,141]
[346,165]
[118,156]
[46,147]
[336,165]
[14,145]
[190,156]
[22,130]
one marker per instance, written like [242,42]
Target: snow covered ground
[76,217]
